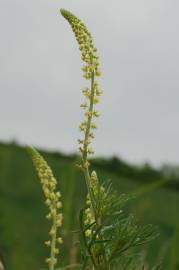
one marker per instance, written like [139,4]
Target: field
[23,228]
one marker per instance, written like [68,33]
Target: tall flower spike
[52,200]
[90,71]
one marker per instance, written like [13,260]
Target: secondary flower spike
[52,200]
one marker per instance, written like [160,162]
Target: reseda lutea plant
[107,236]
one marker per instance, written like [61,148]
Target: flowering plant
[108,235]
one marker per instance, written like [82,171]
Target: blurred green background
[23,228]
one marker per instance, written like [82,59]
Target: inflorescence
[94,212]
[90,70]
[104,241]
[53,202]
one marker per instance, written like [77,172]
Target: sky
[40,76]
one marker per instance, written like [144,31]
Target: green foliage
[21,196]
[107,234]
[110,237]
[112,243]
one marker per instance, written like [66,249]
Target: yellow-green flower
[88,50]
[91,70]
[52,200]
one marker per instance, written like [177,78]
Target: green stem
[85,150]
[53,246]
[95,266]
[85,153]
[85,146]
[70,266]
[85,156]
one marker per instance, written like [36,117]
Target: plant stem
[53,245]
[85,157]
[85,149]
[85,152]
[70,266]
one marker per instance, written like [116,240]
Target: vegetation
[22,210]
[108,236]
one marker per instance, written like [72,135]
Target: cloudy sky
[40,77]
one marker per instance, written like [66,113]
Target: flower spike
[91,70]
[52,200]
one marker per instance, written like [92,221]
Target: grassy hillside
[23,228]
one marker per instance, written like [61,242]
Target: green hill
[23,228]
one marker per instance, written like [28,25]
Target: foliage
[109,237]
[20,195]
[107,234]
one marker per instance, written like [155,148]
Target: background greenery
[23,228]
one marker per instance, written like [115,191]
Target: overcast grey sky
[40,77]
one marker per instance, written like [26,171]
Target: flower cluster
[94,209]
[89,211]
[52,200]
[90,70]
[88,50]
